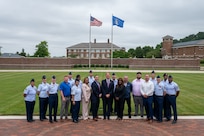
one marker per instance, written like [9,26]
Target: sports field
[12,84]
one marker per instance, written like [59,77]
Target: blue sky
[62,23]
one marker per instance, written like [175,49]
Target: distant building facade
[97,50]
[10,55]
[191,49]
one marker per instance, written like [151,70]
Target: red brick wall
[189,52]
[64,63]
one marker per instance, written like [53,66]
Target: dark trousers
[111,103]
[43,107]
[171,102]
[106,107]
[159,106]
[75,110]
[155,106]
[148,106]
[95,106]
[53,104]
[120,107]
[128,101]
[165,106]
[29,110]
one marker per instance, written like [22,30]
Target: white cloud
[24,23]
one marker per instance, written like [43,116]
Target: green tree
[132,53]
[121,54]
[191,37]
[42,50]
[156,53]
[146,49]
[139,52]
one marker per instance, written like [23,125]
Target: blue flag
[117,21]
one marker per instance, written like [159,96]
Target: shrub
[75,65]
[202,61]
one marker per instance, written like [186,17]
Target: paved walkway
[17,126]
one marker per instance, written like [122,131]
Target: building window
[98,50]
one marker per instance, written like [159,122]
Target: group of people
[151,93]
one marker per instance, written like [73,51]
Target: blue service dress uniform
[53,100]
[30,95]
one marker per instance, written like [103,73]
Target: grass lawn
[189,102]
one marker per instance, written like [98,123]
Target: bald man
[107,87]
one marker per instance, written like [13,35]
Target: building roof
[167,37]
[93,45]
[189,44]
[10,55]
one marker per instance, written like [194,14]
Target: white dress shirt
[147,88]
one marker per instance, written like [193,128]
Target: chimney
[108,41]
[94,40]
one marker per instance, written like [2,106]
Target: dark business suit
[120,93]
[96,90]
[107,101]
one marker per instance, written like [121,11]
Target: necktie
[108,82]
[98,86]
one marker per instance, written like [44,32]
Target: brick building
[191,49]
[98,50]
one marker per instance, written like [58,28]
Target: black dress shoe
[29,121]
[135,114]
[174,122]
[141,116]
[41,119]
[51,121]
[45,118]
[75,121]
[55,121]
[108,118]
[129,116]
[167,120]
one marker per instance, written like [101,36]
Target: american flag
[95,22]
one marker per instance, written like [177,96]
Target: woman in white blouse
[86,94]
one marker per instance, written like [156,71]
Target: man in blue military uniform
[53,99]
[159,97]
[43,97]
[172,92]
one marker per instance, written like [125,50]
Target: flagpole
[112,44]
[89,43]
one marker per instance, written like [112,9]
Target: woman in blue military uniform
[29,97]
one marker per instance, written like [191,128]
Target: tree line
[138,52]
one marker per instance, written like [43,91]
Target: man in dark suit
[95,97]
[107,91]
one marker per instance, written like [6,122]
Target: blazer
[120,91]
[95,91]
[105,89]
[86,92]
